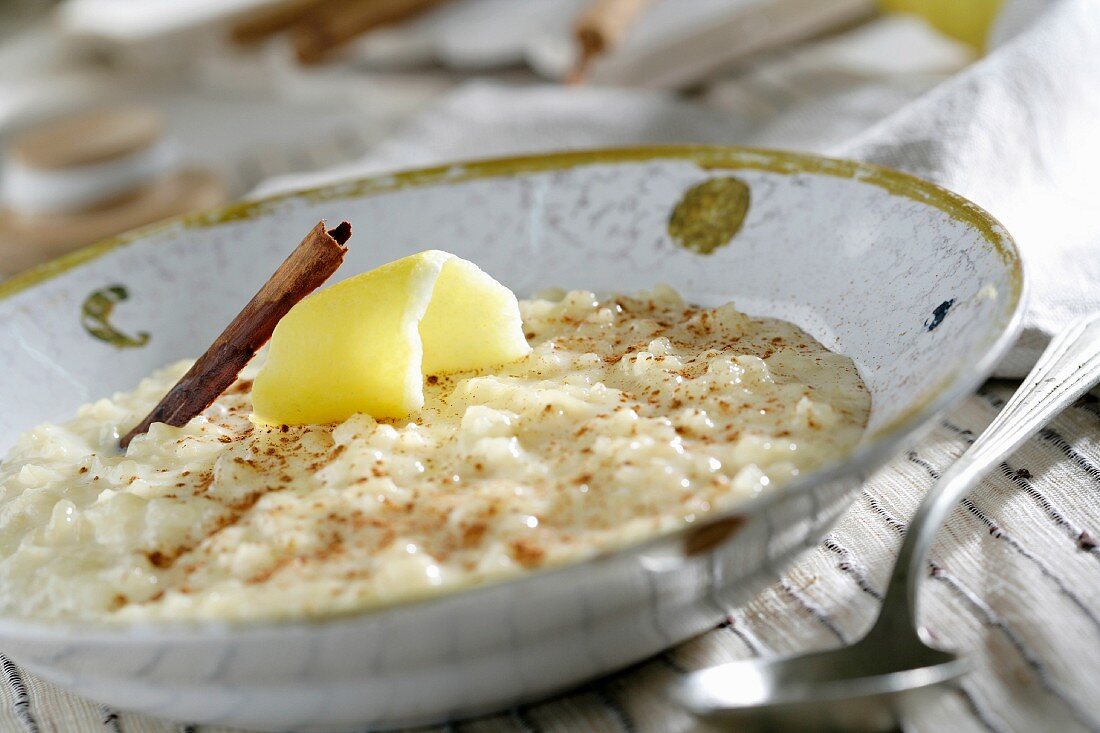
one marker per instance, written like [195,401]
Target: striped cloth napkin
[1015,579]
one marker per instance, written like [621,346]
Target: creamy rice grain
[633,416]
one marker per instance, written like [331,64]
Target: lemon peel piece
[364,344]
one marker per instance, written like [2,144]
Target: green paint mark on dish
[710,214]
[95,316]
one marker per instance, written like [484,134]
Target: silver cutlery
[869,685]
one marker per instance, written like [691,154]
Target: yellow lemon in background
[364,344]
[967,20]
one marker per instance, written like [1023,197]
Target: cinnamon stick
[337,22]
[307,267]
[599,29]
[268,21]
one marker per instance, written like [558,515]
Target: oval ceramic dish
[920,287]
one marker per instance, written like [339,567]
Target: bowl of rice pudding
[714,346]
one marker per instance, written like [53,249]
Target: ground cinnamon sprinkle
[630,415]
[159,559]
[471,535]
[527,553]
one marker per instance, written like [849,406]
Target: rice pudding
[631,417]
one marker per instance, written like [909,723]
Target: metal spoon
[870,685]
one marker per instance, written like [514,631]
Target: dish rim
[874,449]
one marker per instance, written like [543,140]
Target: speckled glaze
[921,288]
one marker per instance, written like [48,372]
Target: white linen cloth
[1016,579]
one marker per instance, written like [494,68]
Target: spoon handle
[1068,368]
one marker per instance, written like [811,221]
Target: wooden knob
[89,176]
[87,138]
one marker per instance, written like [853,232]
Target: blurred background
[115,113]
